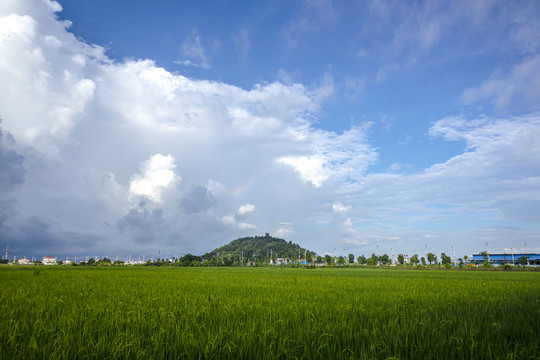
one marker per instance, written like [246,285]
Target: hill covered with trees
[259,248]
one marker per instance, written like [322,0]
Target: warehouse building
[500,259]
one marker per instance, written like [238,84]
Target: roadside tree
[328,259]
[385,259]
[445,259]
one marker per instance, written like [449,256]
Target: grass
[267,313]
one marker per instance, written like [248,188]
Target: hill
[259,247]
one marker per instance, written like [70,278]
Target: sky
[172,127]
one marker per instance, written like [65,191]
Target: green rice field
[267,313]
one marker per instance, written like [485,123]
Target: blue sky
[132,127]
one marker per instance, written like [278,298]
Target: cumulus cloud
[341,157]
[156,176]
[93,121]
[310,168]
[54,98]
[231,222]
[481,186]
[246,209]
[284,230]
[339,209]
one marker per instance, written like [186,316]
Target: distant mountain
[259,247]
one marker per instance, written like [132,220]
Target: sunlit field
[267,313]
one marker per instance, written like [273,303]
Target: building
[24,261]
[49,260]
[500,259]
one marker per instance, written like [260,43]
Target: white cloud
[44,100]
[193,49]
[246,209]
[311,169]
[231,222]
[156,176]
[228,219]
[325,89]
[339,209]
[284,77]
[283,232]
[521,85]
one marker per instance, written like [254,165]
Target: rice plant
[267,313]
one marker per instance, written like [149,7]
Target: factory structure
[511,259]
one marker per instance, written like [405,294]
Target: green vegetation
[259,249]
[267,313]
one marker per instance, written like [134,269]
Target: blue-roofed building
[500,259]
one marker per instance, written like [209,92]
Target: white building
[49,260]
[24,261]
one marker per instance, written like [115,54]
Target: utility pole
[526,254]
[454,253]
[7,248]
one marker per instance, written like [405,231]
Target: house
[24,261]
[49,260]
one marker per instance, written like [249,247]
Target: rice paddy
[267,313]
